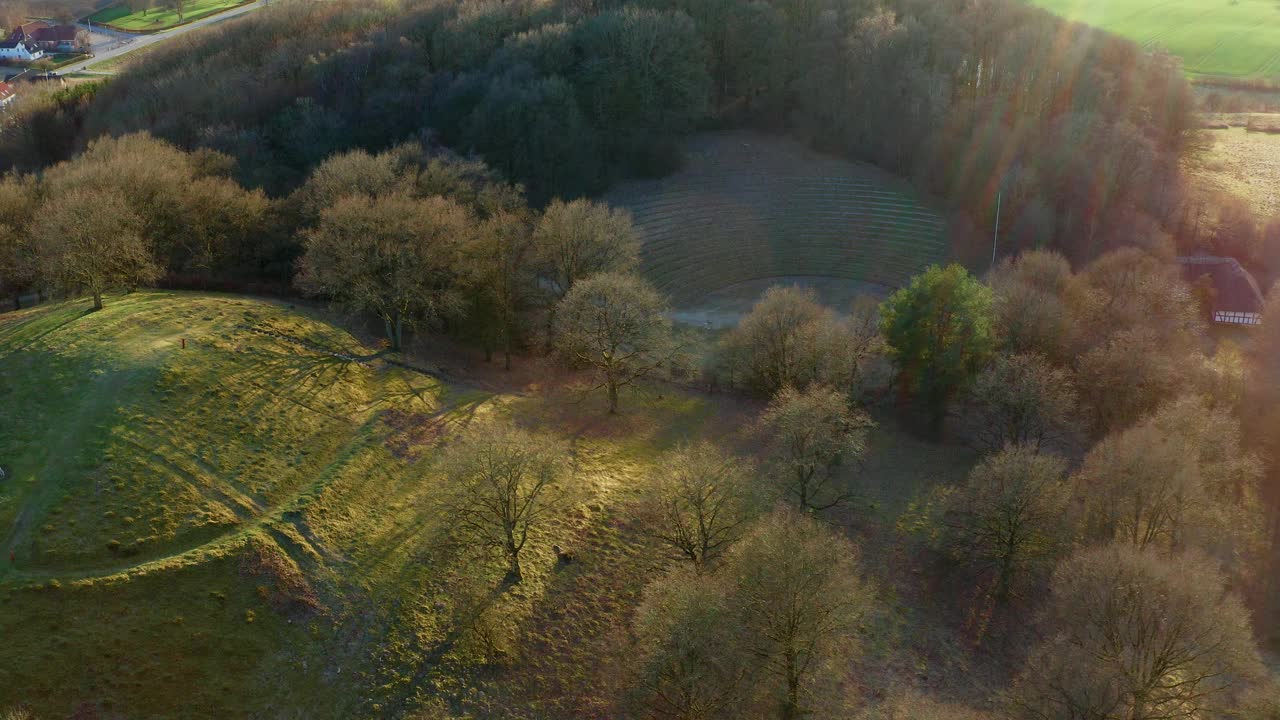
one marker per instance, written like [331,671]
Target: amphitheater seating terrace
[750,207]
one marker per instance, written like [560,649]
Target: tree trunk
[791,704]
[17,301]
[394,325]
[97,300]
[513,567]
[613,396]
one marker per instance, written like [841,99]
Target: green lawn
[57,60]
[121,17]
[1231,38]
[244,527]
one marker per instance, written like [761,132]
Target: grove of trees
[429,166]
[968,99]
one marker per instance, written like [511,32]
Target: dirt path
[37,500]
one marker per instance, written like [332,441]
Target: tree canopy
[939,331]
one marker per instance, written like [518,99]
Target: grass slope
[283,558]
[747,207]
[1231,38]
[120,17]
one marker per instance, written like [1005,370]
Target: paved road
[119,43]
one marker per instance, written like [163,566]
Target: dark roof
[10,44]
[58,33]
[1235,289]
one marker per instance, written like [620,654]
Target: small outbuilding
[1237,299]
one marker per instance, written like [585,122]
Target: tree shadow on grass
[29,341]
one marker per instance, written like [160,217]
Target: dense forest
[1078,131]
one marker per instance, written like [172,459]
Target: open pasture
[747,208]
[1245,164]
[1228,38]
[120,17]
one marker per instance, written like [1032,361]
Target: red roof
[27,31]
[6,91]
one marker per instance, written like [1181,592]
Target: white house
[19,50]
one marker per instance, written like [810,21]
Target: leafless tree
[92,241]
[798,594]
[616,325]
[499,478]
[393,256]
[1136,635]
[1011,518]
[1022,400]
[701,502]
[810,433]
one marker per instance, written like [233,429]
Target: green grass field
[1229,38]
[121,17]
[244,527]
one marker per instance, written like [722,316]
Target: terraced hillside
[749,207]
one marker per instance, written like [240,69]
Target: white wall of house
[21,52]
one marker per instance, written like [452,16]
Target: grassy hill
[245,527]
[1231,38]
[747,207]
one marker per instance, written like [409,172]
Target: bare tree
[499,271]
[1179,478]
[1137,636]
[393,256]
[617,325]
[92,241]
[499,477]
[1011,518]
[1126,377]
[581,238]
[810,434]
[788,339]
[701,501]
[1030,300]
[691,661]
[1022,400]
[798,594]
[17,208]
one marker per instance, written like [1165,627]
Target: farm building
[26,32]
[1237,300]
[7,94]
[49,38]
